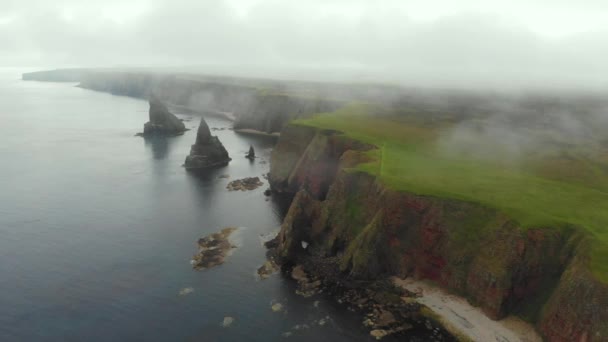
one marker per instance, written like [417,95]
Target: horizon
[472,44]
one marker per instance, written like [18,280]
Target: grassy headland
[560,188]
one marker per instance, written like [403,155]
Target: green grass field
[562,194]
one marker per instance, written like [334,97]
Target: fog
[467,44]
[512,129]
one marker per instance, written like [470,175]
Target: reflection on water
[158,145]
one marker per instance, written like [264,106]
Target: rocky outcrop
[213,249]
[251,154]
[162,122]
[207,152]
[478,252]
[245,184]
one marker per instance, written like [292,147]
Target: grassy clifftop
[561,188]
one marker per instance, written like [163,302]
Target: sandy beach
[462,318]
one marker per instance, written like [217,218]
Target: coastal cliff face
[477,252]
[270,113]
[250,108]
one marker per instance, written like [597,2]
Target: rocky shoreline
[374,231]
[385,309]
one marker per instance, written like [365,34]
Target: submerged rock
[186,291]
[162,121]
[249,183]
[213,249]
[227,321]
[207,152]
[277,307]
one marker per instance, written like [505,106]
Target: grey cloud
[481,42]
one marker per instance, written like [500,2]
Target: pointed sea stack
[251,154]
[162,122]
[207,152]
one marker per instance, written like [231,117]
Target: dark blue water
[97,228]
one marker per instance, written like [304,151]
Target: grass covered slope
[561,188]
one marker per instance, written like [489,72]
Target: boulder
[162,121]
[208,151]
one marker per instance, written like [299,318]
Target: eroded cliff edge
[541,274]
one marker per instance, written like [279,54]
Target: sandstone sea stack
[162,122]
[208,151]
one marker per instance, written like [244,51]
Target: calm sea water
[97,228]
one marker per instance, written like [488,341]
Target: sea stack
[207,152]
[162,122]
[251,154]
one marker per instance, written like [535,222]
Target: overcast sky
[544,42]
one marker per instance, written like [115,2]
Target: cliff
[540,273]
[162,122]
[207,152]
[270,112]
[250,107]
[58,75]
[262,105]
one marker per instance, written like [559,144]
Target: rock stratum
[207,152]
[541,274]
[162,121]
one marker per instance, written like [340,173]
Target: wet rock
[272,243]
[186,291]
[298,273]
[207,152]
[268,269]
[227,321]
[213,249]
[277,307]
[307,287]
[162,122]
[267,192]
[249,183]
[384,318]
[378,333]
